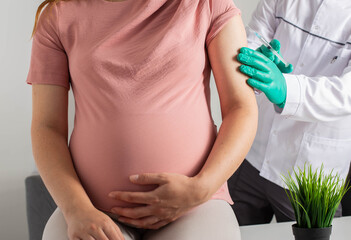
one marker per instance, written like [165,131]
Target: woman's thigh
[56,228]
[214,219]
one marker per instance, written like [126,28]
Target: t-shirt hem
[38,78]
[49,83]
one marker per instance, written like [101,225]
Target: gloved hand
[265,75]
[276,45]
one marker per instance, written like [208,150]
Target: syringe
[266,43]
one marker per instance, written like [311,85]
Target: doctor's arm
[263,21]
[299,97]
[318,98]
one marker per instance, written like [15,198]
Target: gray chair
[40,206]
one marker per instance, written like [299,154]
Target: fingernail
[111,195]
[134,177]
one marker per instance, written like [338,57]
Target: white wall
[16,162]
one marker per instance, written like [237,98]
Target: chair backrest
[39,204]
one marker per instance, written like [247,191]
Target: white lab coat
[315,124]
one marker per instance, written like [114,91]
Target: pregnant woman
[144,160]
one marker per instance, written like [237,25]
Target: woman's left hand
[175,195]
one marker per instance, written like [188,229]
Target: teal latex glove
[276,45]
[264,75]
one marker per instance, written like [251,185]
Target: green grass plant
[314,196]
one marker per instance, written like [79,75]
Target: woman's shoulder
[66,4]
[73,6]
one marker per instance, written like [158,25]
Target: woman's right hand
[91,224]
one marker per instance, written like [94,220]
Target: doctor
[304,114]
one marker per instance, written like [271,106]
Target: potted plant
[315,197]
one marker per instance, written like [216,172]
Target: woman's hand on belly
[175,195]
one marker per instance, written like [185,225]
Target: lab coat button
[316,28]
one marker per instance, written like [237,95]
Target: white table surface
[282,231]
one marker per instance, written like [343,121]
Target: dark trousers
[256,199]
[346,201]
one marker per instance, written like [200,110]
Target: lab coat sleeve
[320,98]
[263,21]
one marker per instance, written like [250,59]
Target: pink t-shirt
[139,72]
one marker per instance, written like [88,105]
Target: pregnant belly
[106,154]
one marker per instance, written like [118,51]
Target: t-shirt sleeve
[221,12]
[48,63]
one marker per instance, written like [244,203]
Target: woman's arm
[49,133]
[177,193]
[238,107]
